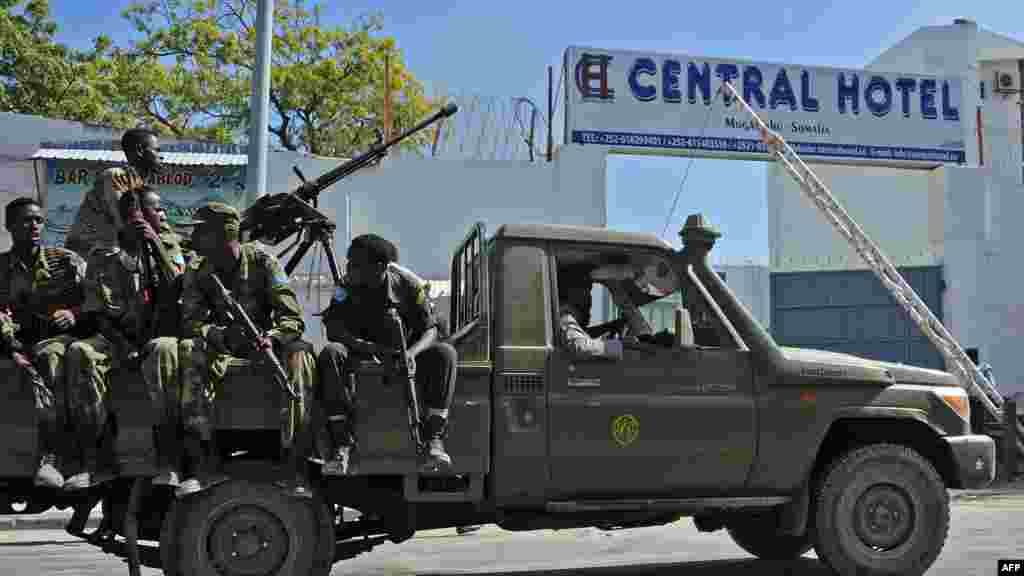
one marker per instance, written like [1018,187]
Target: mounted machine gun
[276,217]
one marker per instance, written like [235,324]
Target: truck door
[657,422]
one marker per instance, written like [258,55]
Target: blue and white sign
[631,101]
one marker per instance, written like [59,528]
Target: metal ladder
[962,366]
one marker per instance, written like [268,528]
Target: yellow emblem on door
[625,429]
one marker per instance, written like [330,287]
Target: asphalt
[54,519]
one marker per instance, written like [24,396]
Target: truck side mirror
[684,328]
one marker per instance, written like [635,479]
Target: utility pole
[259,116]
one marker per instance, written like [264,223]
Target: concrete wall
[891,206]
[426,206]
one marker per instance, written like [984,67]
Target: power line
[686,175]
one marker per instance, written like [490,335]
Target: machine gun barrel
[237,314]
[310,190]
[275,217]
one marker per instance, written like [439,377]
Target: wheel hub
[248,541]
[884,517]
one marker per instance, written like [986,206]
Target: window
[523,297]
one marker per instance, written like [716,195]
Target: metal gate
[850,311]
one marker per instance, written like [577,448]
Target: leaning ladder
[819,194]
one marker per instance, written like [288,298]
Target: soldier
[575,300]
[98,221]
[358,327]
[40,300]
[129,314]
[260,284]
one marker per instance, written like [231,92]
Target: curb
[43,522]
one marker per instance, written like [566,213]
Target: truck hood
[838,366]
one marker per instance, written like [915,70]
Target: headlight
[957,399]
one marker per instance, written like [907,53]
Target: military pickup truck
[786,449]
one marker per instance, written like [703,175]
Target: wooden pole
[387,96]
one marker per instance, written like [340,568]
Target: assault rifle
[408,373]
[276,217]
[236,313]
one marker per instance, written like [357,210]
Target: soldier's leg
[57,443]
[336,405]
[202,374]
[87,367]
[161,370]
[299,359]
[435,374]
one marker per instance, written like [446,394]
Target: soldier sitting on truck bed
[260,285]
[125,313]
[40,297]
[358,327]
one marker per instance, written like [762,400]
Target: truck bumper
[974,458]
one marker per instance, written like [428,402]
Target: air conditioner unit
[1005,82]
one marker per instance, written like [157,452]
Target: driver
[574,302]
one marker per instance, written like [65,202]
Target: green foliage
[42,77]
[189,74]
[326,83]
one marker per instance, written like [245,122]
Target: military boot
[48,475]
[96,472]
[167,450]
[437,458]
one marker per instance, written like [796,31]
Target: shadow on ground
[799,567]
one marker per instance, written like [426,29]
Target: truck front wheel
[881,510]
[759,536]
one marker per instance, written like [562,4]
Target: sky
[503,49]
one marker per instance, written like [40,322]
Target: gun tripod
[314,231]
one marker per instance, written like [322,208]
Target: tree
[42,77]
[191,75]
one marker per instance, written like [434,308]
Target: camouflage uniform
[259,284]
[116,295]
[29,294]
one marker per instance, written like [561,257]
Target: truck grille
[524,383]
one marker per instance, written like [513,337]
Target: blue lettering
[928,99]
[807,99]
[877,85]
[782,91]
[949,112]
[846,92]
[694,77]
[905,86]
[727,72]
[670,81]
[752,85]
[641,92]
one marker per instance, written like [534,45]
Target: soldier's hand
[63,319]
[21,360]
[264,343]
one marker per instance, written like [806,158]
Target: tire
[881,510]
[280,535]
[759,536]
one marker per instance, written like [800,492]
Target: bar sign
[1010,567]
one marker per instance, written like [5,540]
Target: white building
[957,226]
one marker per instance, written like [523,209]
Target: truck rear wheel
[254,529]
[759,535]
[881,510]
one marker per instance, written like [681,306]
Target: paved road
[982,530]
